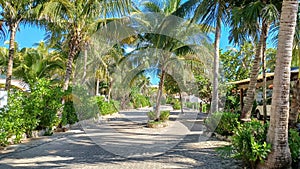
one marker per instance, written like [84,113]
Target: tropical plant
[244,14]
[164,115]
[73,22]
[249,144]
[151,115]
[280,156]
[26,112]
[294,144]
[223,123]
[105,107]
[171,87]
[3,60]
[43,104]
[211,14]
[172,51]
[37,63]
[237,62]
[12,119]
[14,13]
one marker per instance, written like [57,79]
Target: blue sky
[28,36]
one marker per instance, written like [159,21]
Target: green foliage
[85,106]
[223,123]
[138,99]
[169,100]
[164,115]
[43,103]
[203,84]
[12,119]
[69,115]
[249,143]
[232,102]
[191,105]
[254,107]
[141,101]
[174,102]
[26,112]
[294,144]
[170,85]
[176,105]
[105,107]
[151,115]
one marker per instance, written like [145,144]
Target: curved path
[125,142]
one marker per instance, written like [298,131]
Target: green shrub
[294,144]
[249,144]
[85,104]
[69,115]
[169,100]
[174,102]
[205,108]
[223,123]
[151,115]
[232,102]
[164,115]
[192,105]
[43,103]
[105,107]
[140,101]
[176,105]
[13,119]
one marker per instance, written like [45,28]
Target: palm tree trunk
[246,112]
[13,29]
[280,156]
[97,86]
[109,88]
[74,46]
[215,93]
[159,93]
[84,62]
[264,82]
[295,103]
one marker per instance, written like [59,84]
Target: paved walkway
[123,141]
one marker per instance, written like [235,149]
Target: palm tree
[36,63]
[211,14]
[73,21]
[173,49]
[280,156]
[252,19]
[13,13]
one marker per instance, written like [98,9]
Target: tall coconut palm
[73,21]
[211,14]
[280,156]
[171,47]
[252,19]
[13,13]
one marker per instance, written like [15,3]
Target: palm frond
[152,7]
